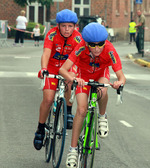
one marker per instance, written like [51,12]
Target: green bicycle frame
[89,121]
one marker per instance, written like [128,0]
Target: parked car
[53,23]
[84,20]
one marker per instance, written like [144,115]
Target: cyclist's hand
[40,73]
[116,84]
[80,81]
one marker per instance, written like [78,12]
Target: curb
[139,61]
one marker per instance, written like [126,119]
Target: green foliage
[30,27]
[23,3]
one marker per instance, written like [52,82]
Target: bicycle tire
[86,159]
[59,132]
[49,140]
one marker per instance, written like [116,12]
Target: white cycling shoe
[72,159]
[103,127]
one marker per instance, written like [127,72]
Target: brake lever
[120,93]
[73,89]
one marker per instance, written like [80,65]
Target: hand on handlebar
[116,84]
[41,73]
[80,81]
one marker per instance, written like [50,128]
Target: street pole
[132,4]
[57,6]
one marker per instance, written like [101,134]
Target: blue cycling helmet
[66,16]
[94,32]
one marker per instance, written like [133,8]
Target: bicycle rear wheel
[48,138]
[87,153]
[59,132]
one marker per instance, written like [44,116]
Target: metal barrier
[3,33]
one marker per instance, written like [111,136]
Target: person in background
[60,41]
[21,24]
[140,31]
[132,31]
[36,34]
[93,56]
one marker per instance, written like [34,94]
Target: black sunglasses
[93,45]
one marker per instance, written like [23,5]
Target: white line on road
[21,57]
[17,74]
[126,123]
[135,76]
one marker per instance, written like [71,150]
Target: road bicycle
[55,129]
[88,140]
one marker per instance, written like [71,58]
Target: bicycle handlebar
[47,75]
[96,84]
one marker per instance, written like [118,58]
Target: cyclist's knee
[48,101]
[82,111]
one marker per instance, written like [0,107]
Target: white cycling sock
[105,115]
[73,148]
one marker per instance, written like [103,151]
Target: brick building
[117,13]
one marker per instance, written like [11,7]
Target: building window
[86,2]
[36,13]
[81,7]
[77,1]
[40,15]
[31,13]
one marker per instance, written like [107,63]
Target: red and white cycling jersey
[90,67]
[60,47]
[88,64]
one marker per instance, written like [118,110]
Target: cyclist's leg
[102,121]
[82,101]
[48,96]
[69,105]
[104,99]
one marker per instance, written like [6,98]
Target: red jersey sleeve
[48,42]
[75,54]
[114,58]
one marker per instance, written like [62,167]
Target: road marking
[135,76]
[17,74]
[21,57]
[125,123]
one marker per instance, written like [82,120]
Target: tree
[46,3]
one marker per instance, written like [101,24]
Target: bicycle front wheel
[86,156]
[48,137]
[59,132]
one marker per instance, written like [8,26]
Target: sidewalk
[137,58]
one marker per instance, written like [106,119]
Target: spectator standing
[36,33]
[21,24]
[132,31]
[140,32]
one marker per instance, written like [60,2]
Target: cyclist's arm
[45,57]
[65,68]
[121,79]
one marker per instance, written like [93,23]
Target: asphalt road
[128,143]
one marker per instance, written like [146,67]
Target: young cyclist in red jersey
[93,57]
[59,43]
